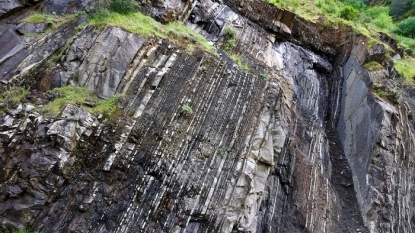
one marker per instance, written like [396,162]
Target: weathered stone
[295,145]
[9,5]
[25,28]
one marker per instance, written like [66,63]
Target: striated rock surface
[299,143]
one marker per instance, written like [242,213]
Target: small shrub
[357,4]
[229,35]
[230,43]
[384,21]
[406,27]
[327,6]
[102,14]
[50,20]
[349,13]
[187,110]
[124,6]
[373,12]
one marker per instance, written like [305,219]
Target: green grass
[373,65]
[13,96]
[238,60]
[370,21]
[146,26]
[380,92]
[35,18]
[187,110]
[406,67]
[53,22]
[76,96]
[407,43]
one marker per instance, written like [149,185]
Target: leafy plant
[186,109]
[229,35]
[349,13]
[124,6]
[357,4]
[407,27]
[50,20]
[384,21]
[374,11]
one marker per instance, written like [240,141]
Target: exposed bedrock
[297,144]
[377,140]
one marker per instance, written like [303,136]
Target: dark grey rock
[25,28]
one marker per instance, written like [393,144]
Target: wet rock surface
[297,144]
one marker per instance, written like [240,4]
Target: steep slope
[299,143]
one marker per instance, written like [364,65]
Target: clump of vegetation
[238,60]
[373,65]
[349,13]
[12,97]
[124,6]
[264,77]
[35,18]
[384,21]
[53,22]
[146,26]
[104,7]
[229,35]
[78,96]
[366,21]
[387,93]
[406,27]
[187,110]
[406,68]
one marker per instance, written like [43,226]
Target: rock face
[297,144]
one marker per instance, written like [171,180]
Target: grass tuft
[373,65]
[77,96]
[13,96]
[35,18]
[146,26]
[406,68]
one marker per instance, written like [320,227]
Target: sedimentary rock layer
[295,142]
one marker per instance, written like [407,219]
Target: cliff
[297,140]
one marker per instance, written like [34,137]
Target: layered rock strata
[299,143]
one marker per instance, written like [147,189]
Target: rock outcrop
[299,143]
